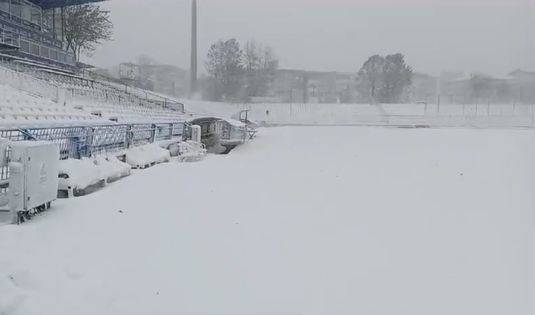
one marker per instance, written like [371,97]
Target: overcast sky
[493,36]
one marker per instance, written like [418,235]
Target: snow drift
[147,155]
[112,168]
[191,151]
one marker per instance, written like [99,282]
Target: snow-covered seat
[79,177]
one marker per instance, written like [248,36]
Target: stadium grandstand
[35,30]
[46,94]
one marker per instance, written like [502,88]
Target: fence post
[129,136]
[153,133]
[89,141]
[186,133]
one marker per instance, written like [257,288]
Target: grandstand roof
[50,4]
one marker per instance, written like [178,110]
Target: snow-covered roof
[232,122]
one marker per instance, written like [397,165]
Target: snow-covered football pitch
[303,220]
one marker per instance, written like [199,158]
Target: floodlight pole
[193,65]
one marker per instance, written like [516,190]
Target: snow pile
[111,168]
[173,146]
[147,155]
[77,174]
[311,220]
[191,151]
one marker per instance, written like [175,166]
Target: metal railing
[138,93]
[88,141]
[9,38]
[38,49]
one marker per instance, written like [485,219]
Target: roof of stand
[51,4]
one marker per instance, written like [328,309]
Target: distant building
[346,87]
[424,88]
[165,79]
[478,88]
[523,86]
[129,71]
[290,86]
[299,86]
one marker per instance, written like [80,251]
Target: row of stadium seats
[113,99]
[23,109]
[47,117]
[104,91]
[40,110]
[80,100]
[131,114]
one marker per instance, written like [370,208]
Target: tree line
[236,73]
[239,73]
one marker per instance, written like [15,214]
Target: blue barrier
[87,141]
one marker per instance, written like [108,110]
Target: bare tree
[397,78]
[260,67]
[225,65]
[251,56]
[371,77]
[86,27]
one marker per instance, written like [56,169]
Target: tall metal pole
[193,65]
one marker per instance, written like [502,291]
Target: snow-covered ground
[309,220]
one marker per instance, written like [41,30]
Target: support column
[63,25]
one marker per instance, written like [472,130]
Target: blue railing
[87,141]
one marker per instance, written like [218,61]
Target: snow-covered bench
[81,177]
[146,156]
